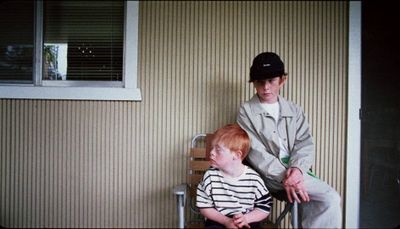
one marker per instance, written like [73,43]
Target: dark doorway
[380,116]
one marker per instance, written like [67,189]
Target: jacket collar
[257,109]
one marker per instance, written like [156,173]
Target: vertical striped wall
[113,164]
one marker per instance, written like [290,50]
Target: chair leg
[180,192]
[181,211]
[288,207]
[295,215]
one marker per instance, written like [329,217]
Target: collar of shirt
[256,107]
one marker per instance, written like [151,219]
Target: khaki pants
[323,210]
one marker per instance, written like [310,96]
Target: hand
[302,192]
[293,176]
[294,192]
[229,223]
[294,186]
[291,193]
[240,221]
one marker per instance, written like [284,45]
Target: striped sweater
[233,195]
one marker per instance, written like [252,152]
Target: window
[72,50]
[16,41]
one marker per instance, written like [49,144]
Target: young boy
[232,195]
[282,148]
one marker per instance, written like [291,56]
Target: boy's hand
[293,177]
[294,187]
[229,223]
[240,221]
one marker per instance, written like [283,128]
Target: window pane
[16,41]
[83,40]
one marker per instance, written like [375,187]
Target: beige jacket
[292,127]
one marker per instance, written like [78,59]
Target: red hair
[233,137]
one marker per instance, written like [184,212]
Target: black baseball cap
[266,65]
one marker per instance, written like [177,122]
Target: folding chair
[186,193]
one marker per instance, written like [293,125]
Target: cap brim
[265,76]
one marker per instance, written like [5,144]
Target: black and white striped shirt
[233,195]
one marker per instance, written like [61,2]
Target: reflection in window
[55,61]
[16,41]
[92,34]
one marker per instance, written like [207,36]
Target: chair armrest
[180,190]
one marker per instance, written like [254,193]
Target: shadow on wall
[225,95]
[222,96]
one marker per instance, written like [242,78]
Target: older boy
[232,195]
[282,147]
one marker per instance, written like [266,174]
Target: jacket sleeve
[260,159]
[302,153]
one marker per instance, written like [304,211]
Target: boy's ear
[282,80]
[238,155]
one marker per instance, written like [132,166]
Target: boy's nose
[266,85]
[212,153]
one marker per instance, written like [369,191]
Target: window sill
[70,93]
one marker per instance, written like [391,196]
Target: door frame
[353,157]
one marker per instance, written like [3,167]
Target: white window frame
[86,90]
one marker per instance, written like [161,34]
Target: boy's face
[221,157]
[268,90]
